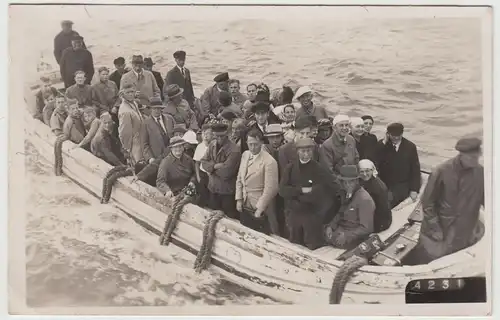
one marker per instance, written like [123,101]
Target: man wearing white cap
[304,96]
[340,148]
[364,144]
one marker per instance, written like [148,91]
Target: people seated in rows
[73,127]
[148,65]
[340,148]
[105,92]
[305,187]
[63,39]
[143,80]
[257,186]
[92,124]
[181,76]
[226,104]
[221,161]
[304,95]
[365,144]
[176,170]
[76,58]
[274,137]
[104,145]
[121,69]
[210,99]
[379,193]
[201,173]
[178,108]
[130,123]
[251,95]
[58,117]
[398,165]
[46,91]
[353,223]
[82,92]
[191,142]
[238,97]
[325,131]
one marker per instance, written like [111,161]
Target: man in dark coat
[370,138]
[76,58]
[148,65]
[210,99]
[221,161]
[121,69]
[181,76]
[63,39]
[83,93]
[365,144]
[262,119]
[398,165]
[451,202]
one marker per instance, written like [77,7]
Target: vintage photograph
[202,156]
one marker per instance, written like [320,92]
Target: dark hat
[312,119]
[148,61]
[119,60]
[219,127]
[225,98]
[228,115]
[396,129]
[469,145]
[76,37]
[173,91]
[221,77]
[302,122]
[155,102]
[260,107]
[66,22]
[304,143]
[324,124]
[263,96]
[175,141]
[348,172]
[179,128]
[367,117]
[180,55]
[137,59]
[206,126]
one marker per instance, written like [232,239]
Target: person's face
[148,67]
[45,86]
[60,102]
[109,125]
[349,185]
[156,112]
[129,94]
[303,133]
[104,75]
[289,114]
[234,88]
[306,99]
[368,125]
[67,28]
[180,62]
[395,139]
[251,92]
[254,145]
[178,150]
[137,67]
[324,134]
[178,134]
[49,99]
[177,99]
[80,78]
[74,111]
[223,85]
[342,128]
[470,160]
[88,117]
[275,141]
[207,135]
[366,173]
[261,117]
[358,129]
[120,67]
[305,154]
[77,44]
[220,137]
[314,133]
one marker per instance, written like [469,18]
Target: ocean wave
[355,79]
[413,95]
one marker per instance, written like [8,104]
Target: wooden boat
[268,265]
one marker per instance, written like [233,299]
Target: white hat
[340,118]
[356,121]
[301,91]
[190,137]
[368,164]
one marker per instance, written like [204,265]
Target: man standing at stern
[63,39]
[76,58]
[181,76]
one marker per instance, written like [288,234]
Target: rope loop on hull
[204,255]
[171,223]
[58,159]
[347,269]
[111,177]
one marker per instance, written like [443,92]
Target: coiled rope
[171,223]
[350,266]
[205,254]
[58,159]
[111,177]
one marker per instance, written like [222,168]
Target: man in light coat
[130,125]
[257,186]
[142,79]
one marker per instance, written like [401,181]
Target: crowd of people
[276,162]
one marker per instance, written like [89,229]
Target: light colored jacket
[130,130]
[146,84]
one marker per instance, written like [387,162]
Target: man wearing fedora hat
[143,80]
[148,65]
[178,108]
[76,58]
[274,135]
[304,96]
[353,223]
[157,131]
[181,76]
[210,98]
[63,39]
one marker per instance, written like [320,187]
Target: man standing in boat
[130,124]
[179,109]
[181,76]
[148,65]
[451,202]
[221,161]
[238,97]
[364,144]
[372,141]
[398,165]
[76,58]
[143,80]
[121,69]
[210,99]
[64,38]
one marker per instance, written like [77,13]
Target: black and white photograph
[250,159]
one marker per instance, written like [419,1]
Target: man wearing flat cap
[451,203]
[143,80]
[210,98]
[221,162]
[63,39]
[121,69]
[398,165]
[274,135]
[181,76]
[76,58]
